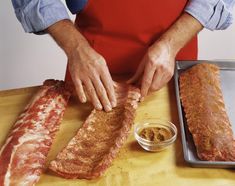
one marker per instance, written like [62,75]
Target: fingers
[156,68]
[78,86]
[80,91]
[102,94]
[157,81]
[138,73]
[147,79]
[96,93]
[160,79]
[90,75]
[92,94]
[109,87]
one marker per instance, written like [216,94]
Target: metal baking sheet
[227,75]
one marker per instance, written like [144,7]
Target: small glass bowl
[151,145]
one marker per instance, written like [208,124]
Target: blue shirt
[37,15]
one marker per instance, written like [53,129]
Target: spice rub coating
[204,108]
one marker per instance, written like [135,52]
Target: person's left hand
[156,68]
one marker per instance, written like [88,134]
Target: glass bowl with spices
[155,136]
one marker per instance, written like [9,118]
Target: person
[142,38]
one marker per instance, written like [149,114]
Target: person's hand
[156,68]
[91,76]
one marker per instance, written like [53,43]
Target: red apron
[122,30]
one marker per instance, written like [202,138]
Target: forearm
[67,36]
[181,32]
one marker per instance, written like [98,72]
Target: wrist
[78,50]
[73,45]
[166,45]
[181,32]
[67,37]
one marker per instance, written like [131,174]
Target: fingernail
[99,107]
[108,108]
[113,103]
[83,100]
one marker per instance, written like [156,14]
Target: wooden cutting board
[133,166]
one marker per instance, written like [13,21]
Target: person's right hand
[90,74]
[88,69]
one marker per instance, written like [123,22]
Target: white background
[28,59]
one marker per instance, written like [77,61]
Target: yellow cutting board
[133,166]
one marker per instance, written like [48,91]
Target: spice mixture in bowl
[155,136]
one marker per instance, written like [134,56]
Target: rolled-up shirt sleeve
[212,14]
[37,15]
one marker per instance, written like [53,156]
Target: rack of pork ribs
[88,154]
[207,120]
